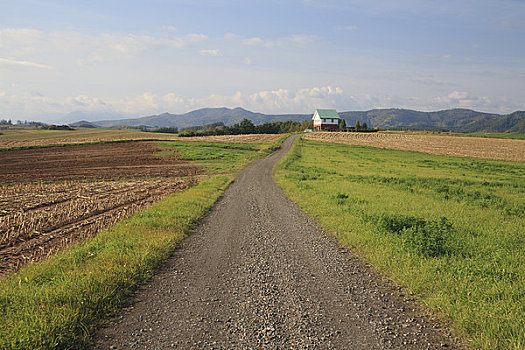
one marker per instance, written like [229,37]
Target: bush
[425,237]
[170,130]
[56,127]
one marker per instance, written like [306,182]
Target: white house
[326,119]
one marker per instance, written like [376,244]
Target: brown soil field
[91,162]
[12,138]
[56,196]
[37,220]
[251,138]
[477,147]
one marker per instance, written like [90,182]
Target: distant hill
[83,124]
[459,120]
[201,117]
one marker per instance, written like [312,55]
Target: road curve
[259,274]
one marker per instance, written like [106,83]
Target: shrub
[425,237]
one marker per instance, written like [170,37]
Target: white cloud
[252,41]
[278,101]
[268,101]
[231,36]
[170,28]
[214,52]
[23,44]
[350,28]
[195,38]
[17,63]
[298,40]
[463,99]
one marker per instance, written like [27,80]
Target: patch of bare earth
[477,147]
[44,141]
[91,162]
[38,219]
[250,138]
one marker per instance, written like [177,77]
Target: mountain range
[458,120]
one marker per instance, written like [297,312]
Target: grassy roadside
[60,302]
[450,229]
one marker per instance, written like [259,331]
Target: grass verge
[450,229]
[60,302]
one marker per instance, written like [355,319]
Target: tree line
[246,126]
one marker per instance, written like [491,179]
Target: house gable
[326,114]
[326,119]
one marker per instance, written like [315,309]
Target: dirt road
[258,274]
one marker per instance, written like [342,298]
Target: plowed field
[91,162]
[29,137]
[489,148]
[38,219]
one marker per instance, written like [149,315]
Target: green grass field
[60,302]
[500,135]
[218,157]
[450,229]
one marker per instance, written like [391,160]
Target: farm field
[125,223]
[450,229]
[497,135]
[30,137]
[478,147]
[91,162]
[58,196]
[37,220]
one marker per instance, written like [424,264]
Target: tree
[365,127]
[246,127]
[357,126]
[342,125]
[306,125]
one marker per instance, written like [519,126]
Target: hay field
[477,147]
[30,137]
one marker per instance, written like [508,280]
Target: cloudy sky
[288,56]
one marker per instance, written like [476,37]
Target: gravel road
[259,274]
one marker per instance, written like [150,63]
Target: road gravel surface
[259,274]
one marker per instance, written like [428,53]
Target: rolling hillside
[460,120]
[201,117]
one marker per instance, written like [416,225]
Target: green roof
[327,113]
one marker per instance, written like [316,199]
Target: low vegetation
[60,302]
[499,135]
[57,127]
[245,127]
[450,229]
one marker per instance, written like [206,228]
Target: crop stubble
[38,138]
[38,219]
[488,148]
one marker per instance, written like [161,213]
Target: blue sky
[144,57]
